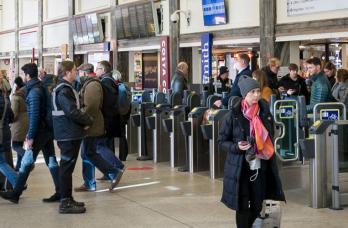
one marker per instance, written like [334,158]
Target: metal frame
[278,122]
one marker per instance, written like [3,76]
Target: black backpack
[110,97]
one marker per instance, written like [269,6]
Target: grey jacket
[340,92]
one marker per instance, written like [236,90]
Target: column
[295,52]
[40,34]
[267,30]
[71,9]
[17,38]
[174,33]
[113,42]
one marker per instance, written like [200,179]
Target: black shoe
[183,169]
[68,206]
[54,198]
[79,204]
[10,196]
[117,179]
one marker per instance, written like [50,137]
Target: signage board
[330,114]
[28,40]
[300,7]
[214,12]
[164,64]
[206,57]
[286,112]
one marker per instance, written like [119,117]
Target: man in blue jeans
[39,137]
[92,150]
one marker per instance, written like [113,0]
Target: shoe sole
[115,183]
[72,212]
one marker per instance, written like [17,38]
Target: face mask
[78,78]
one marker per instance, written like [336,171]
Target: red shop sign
[164,66]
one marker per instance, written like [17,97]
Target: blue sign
[286,112]
[330,114]
[207,53]
[214,12]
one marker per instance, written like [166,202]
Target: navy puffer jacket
[36,107]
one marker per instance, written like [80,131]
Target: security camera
[174,17]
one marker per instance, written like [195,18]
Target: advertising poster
[150,69]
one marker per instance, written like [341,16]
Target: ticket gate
[179,141]
[132,130]
[319,151]
[160,144]
[210,132]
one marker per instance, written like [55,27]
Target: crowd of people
[77,108]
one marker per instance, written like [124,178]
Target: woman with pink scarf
[251,174]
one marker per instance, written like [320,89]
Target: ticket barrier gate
[161,141]
[319,150]
[132,130]
[178,140]
[211,132]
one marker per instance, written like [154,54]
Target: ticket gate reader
[132,130]
[211,132]
[161,141]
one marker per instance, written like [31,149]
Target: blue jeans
[8,172]
[43,141]
[92,150]
[18,147]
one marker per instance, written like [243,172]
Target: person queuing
[261,78]
[243,68]
[321,88]
[253,176]
[292,84]
[330,72]
[91,103]
[179,80]
[39,136]
[69,123]
[271,70]
[221,83]
[340,89]
[19,127]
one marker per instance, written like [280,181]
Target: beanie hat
[246,84]
[223,70]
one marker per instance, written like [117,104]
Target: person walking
[251,174]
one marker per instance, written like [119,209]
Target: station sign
[206,57]
[286,112]
[164,64]
[330,114]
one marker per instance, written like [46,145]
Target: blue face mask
[78,78]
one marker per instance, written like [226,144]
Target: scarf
[264,148]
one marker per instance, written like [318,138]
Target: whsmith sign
[206,46]
[164,66]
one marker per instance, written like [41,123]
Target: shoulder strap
[55,111]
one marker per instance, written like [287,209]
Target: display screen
[87,29]
[136,21]
[214,12]
[136,97]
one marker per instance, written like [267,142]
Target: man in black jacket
[179,80]
[292,84]
[39,136]
[243,68]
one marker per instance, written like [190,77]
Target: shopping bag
[270,216]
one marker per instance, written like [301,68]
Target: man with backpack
[39,136]
[92,155]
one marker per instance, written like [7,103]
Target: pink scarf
[264,146]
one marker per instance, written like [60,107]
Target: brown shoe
[83,188]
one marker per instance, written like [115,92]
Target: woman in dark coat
[251,173]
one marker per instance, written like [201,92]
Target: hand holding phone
[244,145]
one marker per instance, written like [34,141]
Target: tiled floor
[157,197]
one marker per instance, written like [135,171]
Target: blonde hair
[261,77]
[181,66]
[273,62]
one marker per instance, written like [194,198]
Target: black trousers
[123,144]
[69,153]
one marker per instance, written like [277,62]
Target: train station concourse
[174,113]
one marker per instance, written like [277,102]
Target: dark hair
[315,61]
[19,82]
[30,69]
[64,67]
[86,67]
[245,57]
[293,66]
[106,65]
[261,77]
[330,66]
[342,75]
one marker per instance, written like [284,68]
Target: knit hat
[223,70]
[246,84]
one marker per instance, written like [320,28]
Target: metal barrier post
[335,170]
